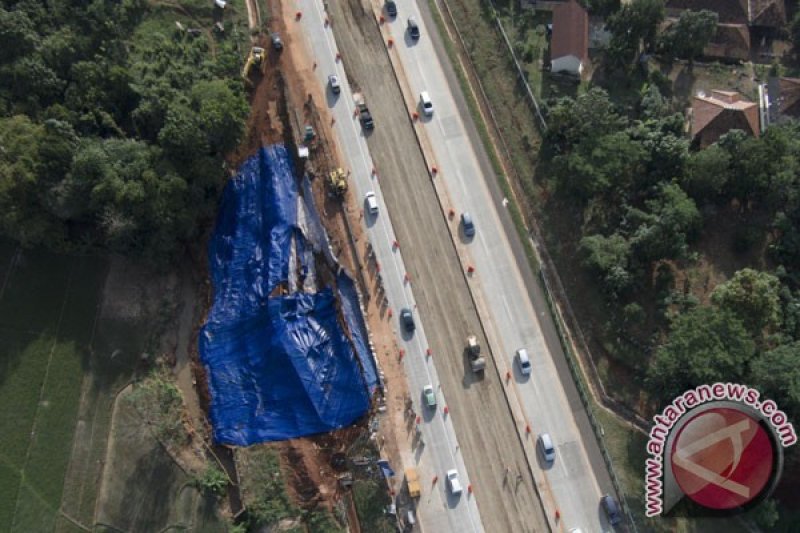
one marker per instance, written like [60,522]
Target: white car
[546,447]
[425,102]
[333,82]
[453,483]
[372,203]
[524,361]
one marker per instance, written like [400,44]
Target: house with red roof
[716,114]
[569,46]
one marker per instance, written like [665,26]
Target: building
[569,46]
[716,114]
[784,98]
[742,23]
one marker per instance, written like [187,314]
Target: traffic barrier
[470,269]
[315,66]
[333,121]
[395,245]
[435,479]
[402,353]
[558,515]
[382,19]
[390,42]
[374,172]
[419,419]
[508,374]
[469,488]
[355,113]
[428,352]
[451,212]
[298,15]
[406,278]
[327,22]
[434,170]
[415,115]
[527,428]
[377,267]
[446,409]
[390,313]
[338,56]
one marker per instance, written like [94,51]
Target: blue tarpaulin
[278,367]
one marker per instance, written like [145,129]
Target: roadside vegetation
[687,259]
[114,121]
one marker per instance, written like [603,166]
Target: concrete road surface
[512,318]
[489,443]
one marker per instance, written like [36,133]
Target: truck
[365,116]
[413,482]
[476,361]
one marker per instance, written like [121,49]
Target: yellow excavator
[255,59]
[338,182]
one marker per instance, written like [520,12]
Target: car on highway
[391,8]
[413,28]
[468,225]
[372,203]
[453,482]
[425,102]
[333,83]
[429,395]
[407,319]
[524,361]
[611,508]
[545,444]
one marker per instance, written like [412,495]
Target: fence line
[521,73]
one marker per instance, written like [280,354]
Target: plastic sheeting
[278,367]
[358,329]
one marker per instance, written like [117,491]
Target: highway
[510,318]
[437,509]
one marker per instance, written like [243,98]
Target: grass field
[47,315]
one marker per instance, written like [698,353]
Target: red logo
[722,458]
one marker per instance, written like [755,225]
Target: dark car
[391,8]
[277,42]
[413,28]
[611,508]
[407,319]
[468,225]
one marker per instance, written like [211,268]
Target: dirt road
[489,442]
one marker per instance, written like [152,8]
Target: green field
[73,332]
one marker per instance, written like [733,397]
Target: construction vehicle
[254,59]
[337,182]
[365,116]
[413,482]
[476,361]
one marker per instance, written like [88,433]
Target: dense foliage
[644,197]
[112,131]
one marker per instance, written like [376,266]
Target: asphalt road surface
[514,316]
[487,438]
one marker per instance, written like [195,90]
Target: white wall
[566,64]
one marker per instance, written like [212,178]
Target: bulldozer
[254,59]
[337,182]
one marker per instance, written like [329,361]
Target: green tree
[18,36]
[665,228]
[183,136]
[692,32]
[571,121]
[752,296]
[222,113]
[666,146]
[777,375]
[707,174]
[705,345]
[634,27]
[608,256]
[599,165]
[23,214]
